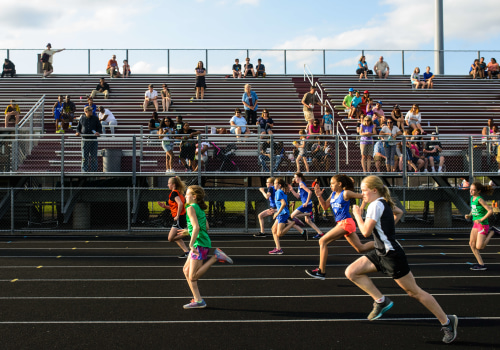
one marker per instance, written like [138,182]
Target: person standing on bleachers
[89,128]
[102,88]
[381,68]
[12,111]
[308,101]
[47,60]
[112,68]
[236,69]
[9,68]
[150,97]
[250,102]
[200,85]
[107,118]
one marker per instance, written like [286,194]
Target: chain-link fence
[232,210]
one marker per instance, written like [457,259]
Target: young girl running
[480,234]
[176,203]
[342,192]
[198,262]
[282,224]
[305,210]
[388,256]
[272,205]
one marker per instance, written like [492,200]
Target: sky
[263,27]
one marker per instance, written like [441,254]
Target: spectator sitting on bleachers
[102,88]
[236,69]
[390,133]
[378,114]
[260,69]
[415,78]
[356,103]
[9,68]
[57,111]
[417,139]
[150,97]
[347,102]
[367,130]
[203,151]
[381,68]
[12,112]
[413,119]
[112,68]
[412,158]
[379,156]
[248,68]
[482,68]
[167,127]
[493,68]
[69,110]
[362,68]
[428,78]
[126,69]
[369,107]
[107,118]
[265,155]
[464,184]
[301,147]
[475,69]
[398,118]
[487,131]
[321,157]
[179,124]
[166,99]
[265,122]
[314,128]
[238,124]
[327,121]
[154,123]
[188,146]
[431,151]
[90,102]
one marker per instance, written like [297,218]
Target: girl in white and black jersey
[388,256]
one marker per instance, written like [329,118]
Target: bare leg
[473,246]
[332,235]
[357,273]
[174,237]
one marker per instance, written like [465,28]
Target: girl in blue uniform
[282,216]
[388,256]
[305,210]
[269,195]
[342,192]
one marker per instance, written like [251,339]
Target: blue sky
[245,24]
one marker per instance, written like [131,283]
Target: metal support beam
[439,39]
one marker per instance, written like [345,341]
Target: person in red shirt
[176,202]
[112,69]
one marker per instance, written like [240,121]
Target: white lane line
[306,278]
[247,321]
[234,296]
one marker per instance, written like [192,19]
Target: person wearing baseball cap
[47,59]
[348,100]
[432,149]
[378,113]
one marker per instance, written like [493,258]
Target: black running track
[127,293]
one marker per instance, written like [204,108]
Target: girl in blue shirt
[328,121]
[342,192]
[269,195]
[305,210]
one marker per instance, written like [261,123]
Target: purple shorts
[482,229]
[201,253]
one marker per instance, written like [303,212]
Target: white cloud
[249,2]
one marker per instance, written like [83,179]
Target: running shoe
[318,235]
[305,235]
[379,309]
[196,304]
[276,252]
[316,273]
[222,257]
[478,267]
[298,222]
[183,255]
[260,235]
[450,330]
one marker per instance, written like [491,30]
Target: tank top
[174,207]
[202,240]
[303,195]
[340,207]
[478,211]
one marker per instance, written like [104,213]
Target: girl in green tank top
[198,262]
[480,234]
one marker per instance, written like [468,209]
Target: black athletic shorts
[393,263]
[181,223]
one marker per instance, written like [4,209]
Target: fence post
[12,210]
[271,153]
[15,149]
[478,55]
[471,161]
[246,209]
[126,54]
[168,61]
[337,153]
[206,59]
[403,150]
[88,54]
[284,58]
[134,160]
[8,54]
[129,226]
[324,63]
[403,62]
[43,113]
[62,172]
[141,142]
[199,159]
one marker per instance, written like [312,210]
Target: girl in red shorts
[342,191]
[480,234]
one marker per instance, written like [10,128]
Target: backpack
[45,58]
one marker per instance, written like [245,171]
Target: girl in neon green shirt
[198,262]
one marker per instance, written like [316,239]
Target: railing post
[206,59]
[324,63]
[8,54]
[246,209]
[168,61]
[126,54]
[405,166]
[15,149]
[337,153]
[199,159]
[248,53]
[284,58]
[88,53]
[141,142]
[271,153]
[62,173]
[129,217]
[478,55]
[12,210]
[134,160]
[471,162]
[403,62]
[43,113]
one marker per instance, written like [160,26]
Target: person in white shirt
[381,68]
[107,118]
[151,96]
[47,60]
[390,132]
[203,150]
[238,124]
[413,119]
